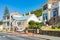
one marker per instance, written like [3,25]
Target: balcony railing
[55,5]
[6,20]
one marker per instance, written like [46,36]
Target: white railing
[6,20]
[55,5]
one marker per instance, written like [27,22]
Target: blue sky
[22,6]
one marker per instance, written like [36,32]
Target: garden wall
[51,33]
[34,31]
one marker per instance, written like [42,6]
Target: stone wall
[50,33]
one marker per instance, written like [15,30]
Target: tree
[37,12]
[34,25]
[6,13]
[1,22]
[39,25]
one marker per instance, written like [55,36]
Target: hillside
[36,12]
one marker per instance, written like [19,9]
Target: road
[5,36]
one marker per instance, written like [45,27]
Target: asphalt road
[5,36]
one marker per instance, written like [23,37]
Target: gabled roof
[15,13]
[22,18]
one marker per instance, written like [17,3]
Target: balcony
[6,20]
[45,7]
[55,5]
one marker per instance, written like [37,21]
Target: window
[7,17]
[7,23]
[39,19]
[45,7]
[20,28]
[20,23]
[45,16]
[11,23]
[55,13]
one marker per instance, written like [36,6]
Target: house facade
[46,11]
[51,9]
[55,9]
[9,20]
[17,22]
[23,22]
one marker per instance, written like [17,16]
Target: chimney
[29,13]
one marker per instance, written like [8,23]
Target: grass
[51,29]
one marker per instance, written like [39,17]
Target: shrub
[58,27]
[34,25]
[55,26]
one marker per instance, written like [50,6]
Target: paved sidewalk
[22,33]
[37,35]
[50,37]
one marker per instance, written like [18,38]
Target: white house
[17,22]
[46,11]
[55,10]
[23,22]
[51,9]
[9,20]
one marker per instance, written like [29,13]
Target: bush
[53,27]
[56,26]
[34,25]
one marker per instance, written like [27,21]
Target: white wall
[40,18]
[59,9]
[1,27]
[49,5]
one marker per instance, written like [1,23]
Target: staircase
[54,20]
